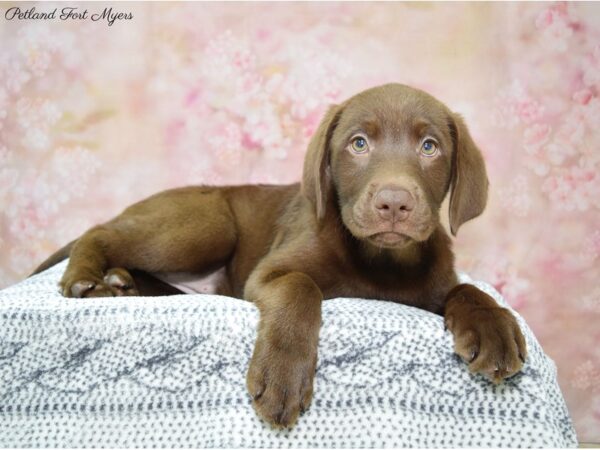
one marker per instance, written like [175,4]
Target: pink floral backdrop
[94,117]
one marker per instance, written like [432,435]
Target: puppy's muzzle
[393,203]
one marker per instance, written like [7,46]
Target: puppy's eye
[429,147]
[359,145]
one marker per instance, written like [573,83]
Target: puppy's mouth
[388,234]
[389,239]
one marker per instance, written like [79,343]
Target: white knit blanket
[170,372]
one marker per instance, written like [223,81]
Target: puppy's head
[388,156]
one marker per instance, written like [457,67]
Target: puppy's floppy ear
[316,179]
[469,182]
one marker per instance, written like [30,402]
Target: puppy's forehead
[393,107]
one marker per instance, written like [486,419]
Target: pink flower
[226,142]
[591,301]
[557,12]
[516,198]
[536,135]
[556,26]
[248,143]
[572,189]
[516,290]
[558,151]
[514,105]
[593,244]
[587,377]
[15,76]
[572,127]
[191,97]
[263,34]
[583,96]
[8,179]
[500,272]
[591,68]
[3,104]
[311,122]
[591,114]
[529,110]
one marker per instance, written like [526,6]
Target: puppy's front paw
[486,336]
[280,383]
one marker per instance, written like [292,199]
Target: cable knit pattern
[170,372]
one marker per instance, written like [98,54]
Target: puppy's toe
[466,345]
[79,288]
[278,406]
[101,290]
[86,289]
[281,386]
[120,282]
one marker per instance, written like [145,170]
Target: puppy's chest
[399,288]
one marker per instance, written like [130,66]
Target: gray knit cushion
[170,372]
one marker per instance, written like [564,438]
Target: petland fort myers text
[108,15]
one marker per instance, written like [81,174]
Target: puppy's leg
[281,372]
[186,230]
[486,335]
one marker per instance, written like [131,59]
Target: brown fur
[346,231]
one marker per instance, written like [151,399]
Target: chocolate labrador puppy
[364,222]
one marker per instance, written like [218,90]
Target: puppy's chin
[390,240]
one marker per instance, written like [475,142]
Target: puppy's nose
[394,203]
